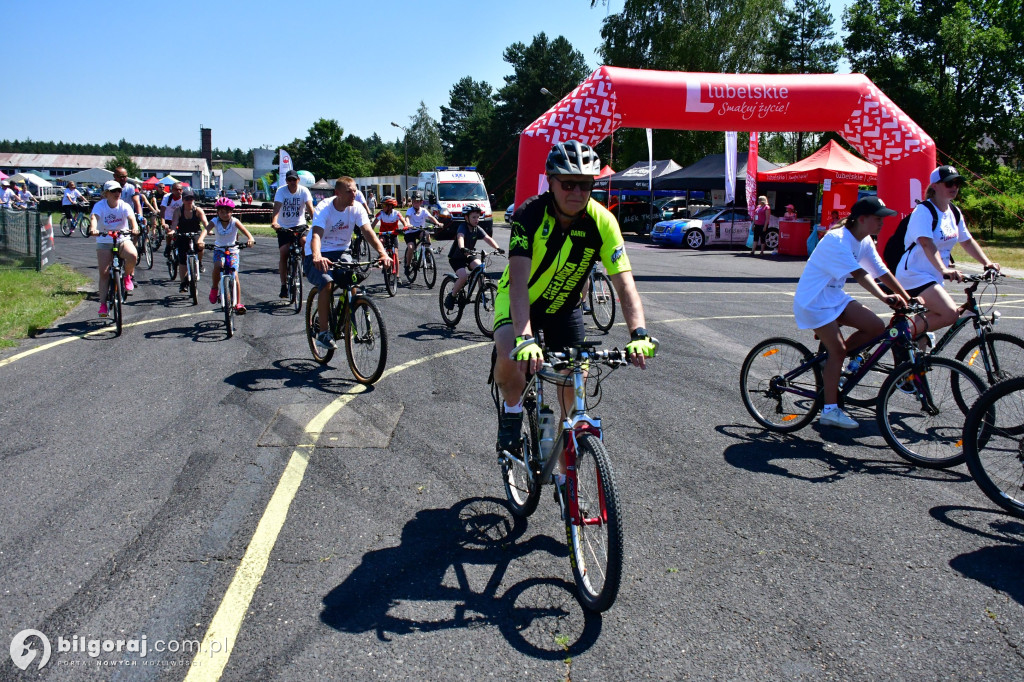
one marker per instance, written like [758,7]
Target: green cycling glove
[526,349]
[642,344]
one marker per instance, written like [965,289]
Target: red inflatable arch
[850,104]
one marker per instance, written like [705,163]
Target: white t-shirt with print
[71,196]
[915,268]
[820,295]
[127,192]
[293,206]
[227,235]
[337,226]
[169,204]
[416,220]
[111,219]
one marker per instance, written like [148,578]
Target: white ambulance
[446,189]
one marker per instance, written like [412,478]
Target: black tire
[429,269]
[116,307]
[695,239]
[595,549]
[66,227]
[361,251]
[229,304]
[313,328]
[391,278]
[762,386]
[366,341]
[172,267]
[993,445]
[931,438]
[450,317]
[602,301]
[83,226]
[193,291]
[522,489]
[295,284]
[484,307]
[1005,352]
[147,252]
[412,269]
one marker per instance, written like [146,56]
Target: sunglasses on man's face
[570,185]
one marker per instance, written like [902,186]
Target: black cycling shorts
[285,236]
[181,243]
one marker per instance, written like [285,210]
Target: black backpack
[893,252]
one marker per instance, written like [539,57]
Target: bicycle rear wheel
[602,301]
[429,268]
[484,305]
[228,301]
[921,413]
[522,489]
[66,226]
[1005,355]
[450,317]
[595,540]
[313,328]
[768,395]
[366,341]
[994,447]
[362,254]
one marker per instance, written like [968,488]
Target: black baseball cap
[187,193]
[291,174]
[944,174]
[871,206]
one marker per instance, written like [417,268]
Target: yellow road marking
[95,332]
[209,665]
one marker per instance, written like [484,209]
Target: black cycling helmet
[471,208]
[417,195]
[572,158]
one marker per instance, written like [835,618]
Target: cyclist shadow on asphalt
[207,331]
[761,452]
[65,329]
[433,331]
[423,585]
[280,307]
[996,566]
[295,373]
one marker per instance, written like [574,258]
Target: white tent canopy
[31,179]
[96,175]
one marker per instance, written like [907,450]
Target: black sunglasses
[570,185]
[953,183]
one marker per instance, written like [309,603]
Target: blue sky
[260,73]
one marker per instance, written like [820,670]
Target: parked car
[210,194]
[717,225]
[231,194]
[670,208]
[508,213]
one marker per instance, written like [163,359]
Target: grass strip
[30,301]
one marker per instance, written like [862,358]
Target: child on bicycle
[391,221]
[110,214]
[463,249]
[417,217]
[822,304]
[226,229]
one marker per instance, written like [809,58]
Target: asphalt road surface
[176,485]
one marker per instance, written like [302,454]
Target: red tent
[150,183]
[831,162]
[606,171]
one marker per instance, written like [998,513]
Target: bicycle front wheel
[116,309]
[429,268]
[770,397]
[450,316]
[146,252]
[595,539]
[522,489]
[484,305]
[413,268]
[994,444]
[362,254]
[83,226]
[172,267]
[314,327]
[602,301]
[366,341]
[391,278]
[228,299]
[922,409]
[1005,356]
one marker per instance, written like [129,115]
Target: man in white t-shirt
[7,195]
[333,225]
[291,202]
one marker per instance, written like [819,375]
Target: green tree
[387,163]
[551,64]
[123,159]
[424,139]
[465,122]
[954,67]
[325,153]
[716,36]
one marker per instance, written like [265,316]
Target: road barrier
[26,239]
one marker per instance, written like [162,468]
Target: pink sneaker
[213,295]
[129,285]
[103,310]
